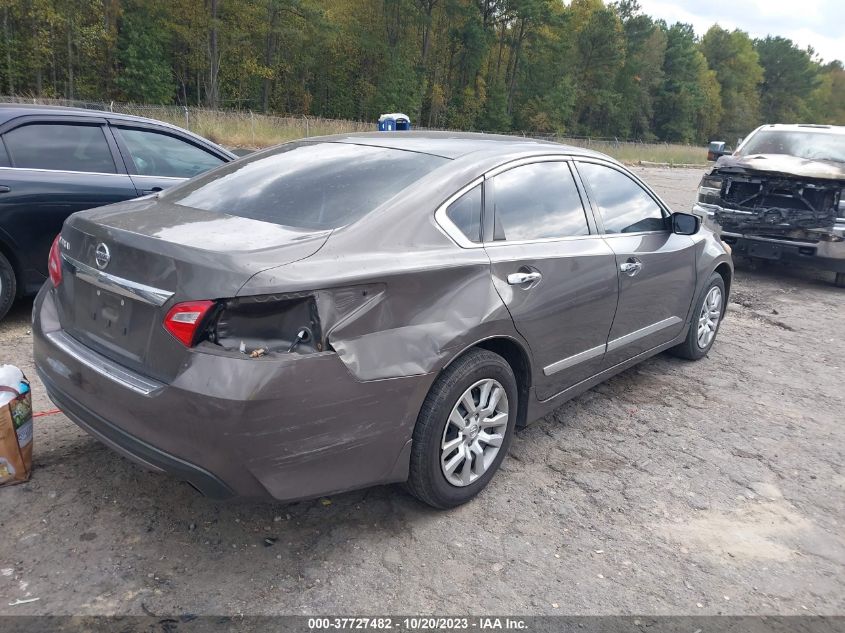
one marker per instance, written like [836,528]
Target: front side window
[465,213]
[156,154]
[625,206]
[62,147]
[537,201]
[307,185]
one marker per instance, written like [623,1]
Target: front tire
[8,286]
[706,319]
[463,430]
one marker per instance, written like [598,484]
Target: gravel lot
[674,488]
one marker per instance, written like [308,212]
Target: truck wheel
[463,430]
[8,286]
[840,280]
[706,319]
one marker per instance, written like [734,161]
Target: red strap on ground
[48,412]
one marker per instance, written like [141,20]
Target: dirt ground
[674,488]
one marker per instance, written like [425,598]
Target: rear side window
[310,186]
[537,201]
[465,213]
[156,154]
[625,206]
[62,147]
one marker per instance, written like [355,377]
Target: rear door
[56,166]
[158,158]
[556,275]
[656,268]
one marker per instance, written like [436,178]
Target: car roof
[10,111]
[459,144]
[804,127]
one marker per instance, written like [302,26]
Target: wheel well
[518,359]
[725,272]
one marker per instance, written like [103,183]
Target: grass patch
[632,153]
[247,130]
[256,131]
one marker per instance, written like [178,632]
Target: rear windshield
[812,145]
[309,186]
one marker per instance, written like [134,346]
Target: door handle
[147,192]
[631,267]
[5,189]
[517,279]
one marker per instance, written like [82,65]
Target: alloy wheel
[474,432]
[708,318]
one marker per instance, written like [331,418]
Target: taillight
[184,320]
[54,263]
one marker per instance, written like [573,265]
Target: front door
[556,275]
[656,268]
[157,160]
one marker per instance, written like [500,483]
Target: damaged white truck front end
[780,206]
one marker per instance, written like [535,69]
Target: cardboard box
[16,436]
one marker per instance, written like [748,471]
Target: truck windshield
[810,144]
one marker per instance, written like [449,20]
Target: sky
[816,23]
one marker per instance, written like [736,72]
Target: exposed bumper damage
[776,204]
[778,208]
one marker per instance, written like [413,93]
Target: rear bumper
[289,429]
[137,450]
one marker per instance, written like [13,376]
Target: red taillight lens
[184,319]
[54,263]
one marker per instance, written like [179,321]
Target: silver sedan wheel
[474,432]
[708,318]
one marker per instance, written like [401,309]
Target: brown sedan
[354,310]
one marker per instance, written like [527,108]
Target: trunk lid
[125,265]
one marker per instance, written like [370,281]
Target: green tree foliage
[143,72]
[689,102]
[731,55]
[583,67]
[790,76]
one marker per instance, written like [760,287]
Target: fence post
[252,123]
[187,120]
[307,130]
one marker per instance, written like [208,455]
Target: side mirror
[685,224]
[716,150]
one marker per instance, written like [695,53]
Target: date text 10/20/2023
[417,623]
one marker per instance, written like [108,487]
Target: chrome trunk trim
[118,285]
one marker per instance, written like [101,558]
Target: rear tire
[705,321]
[463,430]
[8,286]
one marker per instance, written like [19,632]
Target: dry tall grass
[247,130]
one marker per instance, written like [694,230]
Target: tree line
[586,68]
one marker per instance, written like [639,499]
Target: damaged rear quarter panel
[416,315]
[431,297]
